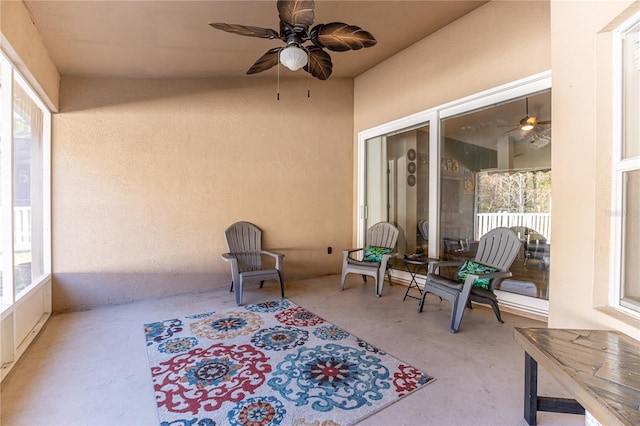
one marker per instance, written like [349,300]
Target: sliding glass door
[495,172]
[397,185]
[447,176]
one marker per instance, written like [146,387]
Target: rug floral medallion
[271,363]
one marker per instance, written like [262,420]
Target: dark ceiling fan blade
[266,61]
[246,30]
[320,65]
[544,122]
[339,37]
[297,13]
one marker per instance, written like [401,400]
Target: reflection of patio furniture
[459,249]
[422,236]
[526,288]
[536,247]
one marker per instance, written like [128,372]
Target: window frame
[620,166]
[10,298]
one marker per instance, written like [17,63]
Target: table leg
[530,390]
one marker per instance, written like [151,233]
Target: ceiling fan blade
[266,61]
[246,30]
[544,122]
[320,65]
[297,13]
[339,37]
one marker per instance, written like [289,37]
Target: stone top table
[600,369]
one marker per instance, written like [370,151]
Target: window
[24,141]
[626,168]
[25,214]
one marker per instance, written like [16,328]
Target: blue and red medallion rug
[271,363]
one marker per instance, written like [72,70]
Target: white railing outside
[22,228]
[539,222]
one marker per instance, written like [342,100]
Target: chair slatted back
[244,240]
[498,248]
[382,234]
[423,227]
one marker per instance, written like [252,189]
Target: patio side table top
[599,368]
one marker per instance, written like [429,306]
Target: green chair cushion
[471,267]
[374,254]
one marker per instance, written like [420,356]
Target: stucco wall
[22,43]
[493,45]
[581,163]
[147,175]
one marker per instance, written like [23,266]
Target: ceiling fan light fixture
[528,123]
[293,57]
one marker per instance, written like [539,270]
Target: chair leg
[344,275]
[456,315]
[421,304]
[496,310]
[261,284]
[231,289]
[238,293]
[364,278]
[281,282]
[380,282]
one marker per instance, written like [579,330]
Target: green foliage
[514,191]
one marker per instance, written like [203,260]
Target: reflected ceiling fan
[296,17]
[529,123]
[531,130]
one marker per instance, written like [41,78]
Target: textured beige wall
[147,174]
[581,162]
[22,43]
[493,45]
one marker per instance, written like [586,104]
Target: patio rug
[268,364]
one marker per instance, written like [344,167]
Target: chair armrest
[233,262]
[229,257]
[444,263]
[279,257]
[347,252]
[351,250]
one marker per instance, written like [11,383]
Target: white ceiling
[161,38]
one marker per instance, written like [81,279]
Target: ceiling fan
[296,17]
[529,123]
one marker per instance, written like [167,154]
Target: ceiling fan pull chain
[308,85]
[278,95]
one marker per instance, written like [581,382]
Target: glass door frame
[432,117]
